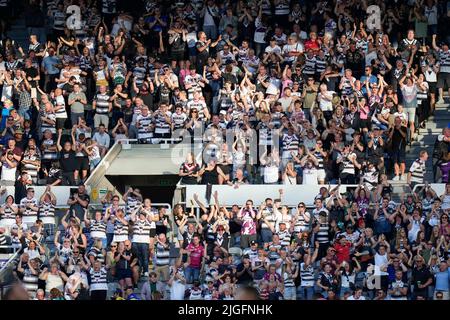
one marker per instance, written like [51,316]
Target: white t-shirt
[8,174]
[310,176]
[325,104]
[275,49]
[298,47]
[353,298]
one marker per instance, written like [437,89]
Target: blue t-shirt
[49,63]
[442,280]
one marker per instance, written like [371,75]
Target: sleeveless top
[210,176]
[54,281]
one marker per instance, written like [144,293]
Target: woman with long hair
[290,175]
[189,170]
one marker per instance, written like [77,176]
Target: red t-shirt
[342,252]
[312,44]
[196,255]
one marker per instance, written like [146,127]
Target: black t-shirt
[204,54]
[246,276]
[77,208]
[420,276]
[398,141]
[189,168]
[33,73]
[337,213]
[54,175]
[123,263]
[68,161]
[134,255]
[68,88]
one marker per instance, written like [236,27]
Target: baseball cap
[253,242]
[223,112]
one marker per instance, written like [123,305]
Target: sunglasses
[113,246]
[76,252]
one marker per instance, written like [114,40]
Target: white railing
[230,195]
[62,193]
[439,188]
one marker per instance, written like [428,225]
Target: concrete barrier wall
[229,195]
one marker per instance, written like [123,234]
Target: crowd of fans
[333,99]
[349,246]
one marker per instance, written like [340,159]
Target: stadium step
[19,32]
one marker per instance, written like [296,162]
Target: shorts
[177,55]
[321,175]
[162,273]
[443,79]
[152,232]
[122,274]
[101,119]
[192,51]
[411,112]
[432,86]
[60,123]
[83,163]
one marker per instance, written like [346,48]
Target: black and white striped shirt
[310,66]
[139,75]
[306,275]
[179,120]
[321,65]
[47,213]
[132,203]
[285,238]
[418,170]
[161,125]
[97,254]
[348,165]
[29,215]
[290,143]
[98,229]
[162,255]
[322,235]
[102,103]
[141,231]
[31,168]
[120,229]
[319,157]
[8,213]
[99,279]
[282,8]
[30,281]
[59,20]
[288,280]
[109,6]
[444,61]
[144,129]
